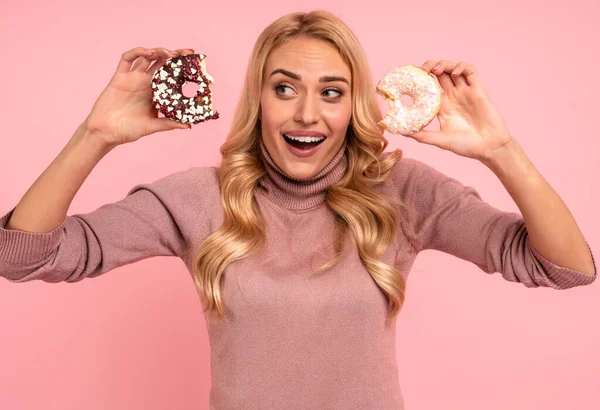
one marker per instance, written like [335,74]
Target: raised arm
[453,218]
[154,219]
[39,241]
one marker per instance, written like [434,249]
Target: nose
[307,111]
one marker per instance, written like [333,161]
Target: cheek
[274,114]
[267,113]
[338,118]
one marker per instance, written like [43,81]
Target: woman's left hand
[470,124]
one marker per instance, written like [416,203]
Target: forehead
[308,58]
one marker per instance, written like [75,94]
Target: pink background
[135,338]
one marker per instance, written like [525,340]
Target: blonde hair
[353,201]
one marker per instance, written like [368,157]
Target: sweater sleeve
[150,221]
[452,218]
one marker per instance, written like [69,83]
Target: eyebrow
[323,79]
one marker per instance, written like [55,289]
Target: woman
[251,230]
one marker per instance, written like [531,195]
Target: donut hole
[406,100]
[189,89]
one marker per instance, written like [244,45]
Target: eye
[334,90]
[283,87]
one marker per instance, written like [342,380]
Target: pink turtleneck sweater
[289,341]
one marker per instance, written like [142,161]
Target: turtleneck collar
[300,194]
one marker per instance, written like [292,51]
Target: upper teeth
[305,139]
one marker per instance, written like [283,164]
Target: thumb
[430,137]
[165,124]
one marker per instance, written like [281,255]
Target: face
[307,90]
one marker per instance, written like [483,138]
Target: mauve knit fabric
[289,341]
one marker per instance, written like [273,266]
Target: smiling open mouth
[303,143]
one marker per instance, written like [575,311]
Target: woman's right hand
[124,112]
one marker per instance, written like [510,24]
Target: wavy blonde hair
[355,204]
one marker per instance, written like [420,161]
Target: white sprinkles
[168,82]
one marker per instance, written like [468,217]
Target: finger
[162,56]
[442,70]
[446,82]
[457,76]
[130,56]
[185,51]
[435,138]
[470,75]
[164,51]
[428,65]
[142,63]
[443,66]
[165,124]
[156,64]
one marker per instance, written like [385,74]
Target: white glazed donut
[422,87]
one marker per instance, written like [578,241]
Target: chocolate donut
[170,79]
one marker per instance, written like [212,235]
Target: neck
[300,194]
